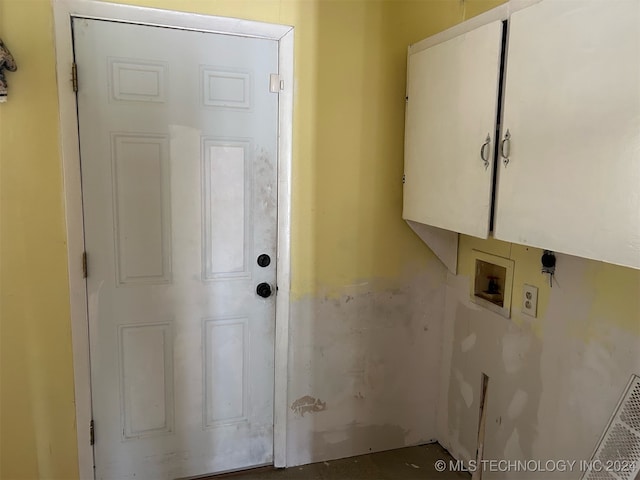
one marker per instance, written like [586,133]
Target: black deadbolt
[264,290]
[264,260]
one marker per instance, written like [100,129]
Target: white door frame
[63,11]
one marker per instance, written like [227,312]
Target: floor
[411,463]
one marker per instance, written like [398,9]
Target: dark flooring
[411,463]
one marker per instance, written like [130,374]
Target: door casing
[63,11]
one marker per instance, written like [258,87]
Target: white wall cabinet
[568,177]
[452,96]
[572,107]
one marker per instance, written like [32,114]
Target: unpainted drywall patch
[510,355]
[556,377]
[466,390]
[457,428]
[371,351]
[517,405]
[308,404]
[468,343]
[512,447]
[587,376]
[515,346]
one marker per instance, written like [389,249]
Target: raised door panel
[572,107]
[451,111]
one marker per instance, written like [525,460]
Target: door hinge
[92,435]
[84,265]
[74,76]
[276,84]
[404,179]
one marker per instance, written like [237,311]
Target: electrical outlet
[530,300]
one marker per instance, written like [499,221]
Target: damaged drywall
[308,404]
[555,379]
[370,351]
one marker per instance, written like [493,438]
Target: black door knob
[264,260]
[264,290]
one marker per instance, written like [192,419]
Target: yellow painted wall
[349,114]
[37,410]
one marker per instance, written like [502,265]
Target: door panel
[572,106]
[146,379]
[226,208]
[142,222]
[452,98]
[178,139]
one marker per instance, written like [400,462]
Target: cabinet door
[451,110]
[572,107]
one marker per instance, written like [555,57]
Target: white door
[178,136]
[572,107]
[450,131]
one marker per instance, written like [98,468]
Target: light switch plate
[530,300]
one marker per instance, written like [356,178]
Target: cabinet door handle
[505,148]
[484,151]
